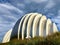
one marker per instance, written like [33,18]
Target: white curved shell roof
[31,25]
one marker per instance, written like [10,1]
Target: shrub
[53,39]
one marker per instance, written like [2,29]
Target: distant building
[30,26]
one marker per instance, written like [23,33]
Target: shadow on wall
[14,33]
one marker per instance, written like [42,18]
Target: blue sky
[12,10]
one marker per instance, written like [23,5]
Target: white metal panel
[35,24]
[42,25]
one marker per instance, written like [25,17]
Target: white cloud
[50,4]
[58,26]
[36,1]
[39,1]
[56,19]
[58,12]
[7,12]
[50,14]
[20,5]
[6,24]
[10,16]
[7,6]
[10,7]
